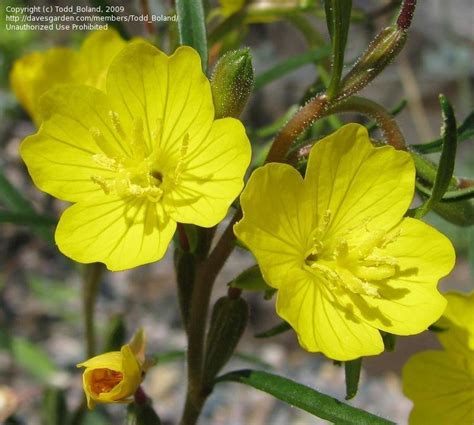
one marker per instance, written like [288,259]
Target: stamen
[105,162]
[114,117]
[106,186]
[102,142]
[182,154]
[139,147]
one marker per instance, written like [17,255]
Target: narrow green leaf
[290,65]
[26,219]
[11,197]
[276,330]
[54,409]
[352,369]
[449,196]
[338,18]
[447,159]
[28,356]
[115,334]
[303,397]
[252,359]
[274,127]
[192,27]
[169,356]
[16,203]
[465,132]
[231,23]
[250,280]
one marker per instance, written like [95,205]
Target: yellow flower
[441,383]
[34,74]
[336,246]
[136,159]
[458,322]
[114,377]
[111,377]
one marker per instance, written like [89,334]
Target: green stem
[92,276]
[313,110]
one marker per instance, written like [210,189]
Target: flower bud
[111,377]
[232,82]
[228,322]
[381,51]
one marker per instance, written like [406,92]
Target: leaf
[447,159]
[352,369]
[290,65]
[250,280]
[26,219]
[16,203]
[252,359]
[115,334]
[449,196]
[465,131]
[29,357]
[276,330]
[192,27]
[338,18]
[54,409]
[303,397]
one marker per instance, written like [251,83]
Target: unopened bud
[228,322]
[232,82]
[380,53]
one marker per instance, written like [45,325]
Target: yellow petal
[441,388]
[277,222]
[34,74]
[169,93]
[322,323]
[131,378]
[357,183]
[97,52]
[409,301]
[111,360]
[211,175]
[122,233]
[458,320]
[60,156]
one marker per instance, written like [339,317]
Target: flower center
[354,261]
[137,169]
[104,380]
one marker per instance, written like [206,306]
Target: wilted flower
[111,377]
[137,159]
[441,383]
[114,377]
[335,244]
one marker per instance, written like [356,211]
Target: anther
[114,117]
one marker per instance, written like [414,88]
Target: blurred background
[41,332]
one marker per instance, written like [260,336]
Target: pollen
[104,380]
[354,261]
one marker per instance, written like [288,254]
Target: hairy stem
[378,113]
